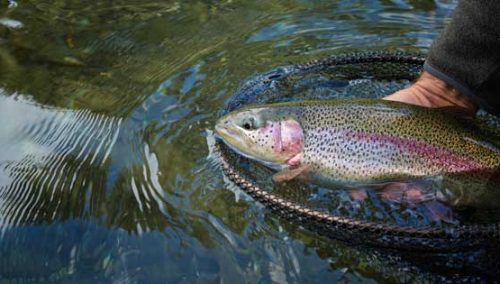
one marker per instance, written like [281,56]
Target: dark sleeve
[467,53]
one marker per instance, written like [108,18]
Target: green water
[104,112]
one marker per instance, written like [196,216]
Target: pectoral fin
[287,175]
[405,192]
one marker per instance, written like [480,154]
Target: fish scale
[376,143]
[367,141]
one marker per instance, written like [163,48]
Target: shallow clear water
[104,111]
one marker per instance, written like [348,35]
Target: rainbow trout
[361,142]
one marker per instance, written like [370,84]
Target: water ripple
[42,156]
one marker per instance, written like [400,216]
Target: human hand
[432,92]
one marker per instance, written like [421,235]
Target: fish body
[362,141]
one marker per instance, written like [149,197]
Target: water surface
[104,110]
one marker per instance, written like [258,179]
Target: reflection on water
[104,109]
[46,151]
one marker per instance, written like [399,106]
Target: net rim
[423,238]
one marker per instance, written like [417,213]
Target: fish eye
[248,123]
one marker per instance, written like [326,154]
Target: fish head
[264,134]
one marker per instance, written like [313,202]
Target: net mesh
[334,213]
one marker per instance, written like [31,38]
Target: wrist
[434,92]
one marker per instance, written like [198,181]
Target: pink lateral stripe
[438,156]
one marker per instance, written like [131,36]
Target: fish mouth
[221,131]
[230,138]
[226,134]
